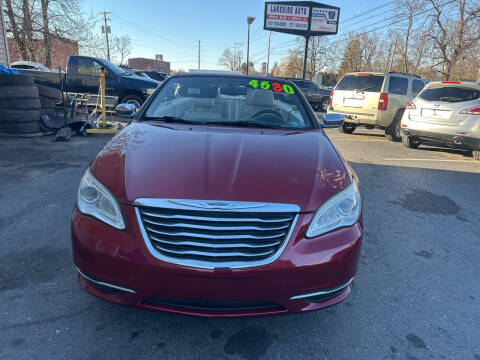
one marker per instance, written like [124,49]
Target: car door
[398,90]
[87,79]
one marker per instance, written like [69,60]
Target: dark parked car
[156,75]
[316,96]
[82,76]
[223,197]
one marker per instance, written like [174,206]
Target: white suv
[446,112]
[375,100]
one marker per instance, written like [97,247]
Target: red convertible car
[223,197]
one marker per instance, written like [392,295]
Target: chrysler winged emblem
[218,205]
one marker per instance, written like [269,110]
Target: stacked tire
[19,105]
[49,97]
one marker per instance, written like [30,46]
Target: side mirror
[332,120]
[125,110]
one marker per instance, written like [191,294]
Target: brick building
[62,48]
[156,64]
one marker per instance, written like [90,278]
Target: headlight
[94,199]
[343,209]
[149,91]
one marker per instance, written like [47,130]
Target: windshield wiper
[366,88]
[171,119]
[245,123]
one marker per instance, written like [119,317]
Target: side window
[96,68]
[398,85]
[417,86]
[85,66]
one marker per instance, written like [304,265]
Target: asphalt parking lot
[416,294]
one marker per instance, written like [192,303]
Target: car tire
[476,154]
[18,92]
[409,142]
[21,128]
[394,131]
[132,99]
[324,105]
[20,104]
[347,128]
[15,79]
[47,103]
[49,92]
[19,116]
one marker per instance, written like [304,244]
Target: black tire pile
[19,105]
[49,97]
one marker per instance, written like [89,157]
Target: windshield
[450,94]
[228,100]
[366,83]
[114,68]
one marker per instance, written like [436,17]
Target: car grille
[212,305]
[222,235]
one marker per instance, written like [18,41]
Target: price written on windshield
[267,85]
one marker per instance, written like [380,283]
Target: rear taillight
[471,111]
[410,105]
[383,101]
[331,99]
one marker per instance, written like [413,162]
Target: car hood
[141,81]
[147,160]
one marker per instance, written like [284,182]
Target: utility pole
[268,50]
[198,54]
[106,29]
[393,55]
[305,57]
[250,20]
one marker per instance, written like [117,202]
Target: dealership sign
[304,18]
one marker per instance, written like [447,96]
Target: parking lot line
[437,160]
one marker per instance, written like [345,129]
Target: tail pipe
[457,141]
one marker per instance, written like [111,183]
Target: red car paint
[150,160]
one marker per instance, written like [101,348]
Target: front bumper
[310,274]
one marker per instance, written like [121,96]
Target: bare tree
[319,56]
[408,10]
[231,60]
[455,29]
[122,47]
[31,21]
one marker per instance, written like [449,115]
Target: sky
[173,27]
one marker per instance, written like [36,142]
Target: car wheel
[324,105]
[394,132]
[410,142]
[134,100]
[476,154]
[347,128]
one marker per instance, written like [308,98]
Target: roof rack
[402,73]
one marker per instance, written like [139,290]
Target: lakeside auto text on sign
[287,17]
